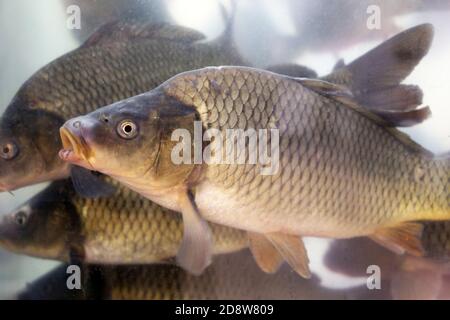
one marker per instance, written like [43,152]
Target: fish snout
[74,144]
[74,126]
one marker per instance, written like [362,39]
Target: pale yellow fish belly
[218,206]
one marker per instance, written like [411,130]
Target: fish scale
[124,70]
[234,277]
[344,170]
[134,229]
[123,229]
[375,168]
[120,60]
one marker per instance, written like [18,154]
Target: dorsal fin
[292,70]
[397,98]
[402,117]
[226,39]
[339,64]
[384,118]
[390,62]
[375,77]
[406,118]
[325,88]
[123,31]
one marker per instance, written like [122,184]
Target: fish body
[118,61]
[233,276]
[123,229]
[337,165]
[340,169]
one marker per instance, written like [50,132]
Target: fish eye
[127,129]
[21,218]
[9,150]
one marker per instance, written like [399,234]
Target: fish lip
[74,146]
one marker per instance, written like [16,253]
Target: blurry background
[312,33]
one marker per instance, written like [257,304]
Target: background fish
[361,178]
[294,34]
[233,276]
[403,276]
[52,286]
[99,12]
[124,229]
[120,60]
[436,240]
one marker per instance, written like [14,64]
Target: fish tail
[375,78]
[226,39]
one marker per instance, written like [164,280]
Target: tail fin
[226,38]
[375,77]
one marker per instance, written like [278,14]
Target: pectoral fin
[265,254]
[293,250]
[404,238]
[195,251]
[339,65]
[88,185]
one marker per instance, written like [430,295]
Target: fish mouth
[75,149]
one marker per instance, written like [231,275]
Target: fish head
[130,139]
[28,153]
[42,227]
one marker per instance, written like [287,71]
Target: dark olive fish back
[109,68]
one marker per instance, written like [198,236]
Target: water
[315,34]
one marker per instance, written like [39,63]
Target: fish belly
[220,206]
